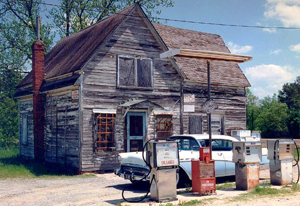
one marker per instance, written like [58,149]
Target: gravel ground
[105,189]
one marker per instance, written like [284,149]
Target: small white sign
[75,94]
[189,108]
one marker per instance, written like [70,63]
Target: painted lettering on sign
[167,162]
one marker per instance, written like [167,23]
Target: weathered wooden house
[105,90]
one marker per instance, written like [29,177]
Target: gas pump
[247,156]
[281,154]
[163,158]
[203,173]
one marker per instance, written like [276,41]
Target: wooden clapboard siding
[26,110]
[62,143]
[231,104]
[100,89]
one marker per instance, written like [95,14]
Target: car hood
[132,158]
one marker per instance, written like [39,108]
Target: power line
[207,23]
[196,22]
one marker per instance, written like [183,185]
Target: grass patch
[191,203]
[225,185]
[12,166]
[266,191]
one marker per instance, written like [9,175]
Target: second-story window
[134,72]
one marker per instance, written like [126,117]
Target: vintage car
[134,168]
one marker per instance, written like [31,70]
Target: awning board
[210,55]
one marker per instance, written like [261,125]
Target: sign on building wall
[189,103]
[75,94]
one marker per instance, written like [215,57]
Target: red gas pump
[203,173]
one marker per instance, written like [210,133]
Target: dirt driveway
[105,189]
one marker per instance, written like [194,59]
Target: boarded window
[195,125]
[135,72]
[144,73]
[24,129]
[104,140]
[164,126]
[126,72]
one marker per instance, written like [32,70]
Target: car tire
[182,179]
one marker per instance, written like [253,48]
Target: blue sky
[276,52]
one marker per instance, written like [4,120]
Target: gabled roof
[73,52]
[222,73]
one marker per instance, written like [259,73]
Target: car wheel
[182,179]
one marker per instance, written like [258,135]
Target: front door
[136,131]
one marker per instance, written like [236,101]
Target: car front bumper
[131,175]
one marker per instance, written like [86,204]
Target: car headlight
[119,158]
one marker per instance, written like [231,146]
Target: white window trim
[104,111]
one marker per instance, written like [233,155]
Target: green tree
[252,109]
[74,15]
[17,33]
[290,95]
[9,78]
[272,117]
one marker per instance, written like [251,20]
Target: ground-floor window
[24,130]
[164,126]
[104,138]
[217,124]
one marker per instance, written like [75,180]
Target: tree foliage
[290,95]
[75,15]
[8,107]
[268,115]
[252,109]
[272,118]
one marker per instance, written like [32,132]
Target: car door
[220,167]
[222,154]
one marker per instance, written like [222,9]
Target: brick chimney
[38,64]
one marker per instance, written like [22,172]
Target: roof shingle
[222,72]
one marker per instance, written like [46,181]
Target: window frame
[158,124]
[98,133]
[24,136]
[136,82]
[215,118]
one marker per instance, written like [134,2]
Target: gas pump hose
[144,177]
[297,162]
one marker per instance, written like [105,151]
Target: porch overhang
[203,54]
[127,105]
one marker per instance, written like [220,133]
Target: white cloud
[286,11]
[268,79]
[295,48]
[277,51]
[237,49]
[270,30]
[260,92]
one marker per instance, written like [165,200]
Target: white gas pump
[163,158]
[281,154]
[247,156]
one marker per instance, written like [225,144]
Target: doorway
[136,131]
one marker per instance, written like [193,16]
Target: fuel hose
[144,177]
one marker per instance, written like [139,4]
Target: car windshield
[217,144]
[188,144]
[192,144]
